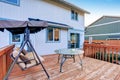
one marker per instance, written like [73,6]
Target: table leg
[81,63]
[62,62]
[74,58]
[58,58]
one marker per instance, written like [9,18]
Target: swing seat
[26,59]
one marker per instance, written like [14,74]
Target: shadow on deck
[93,69]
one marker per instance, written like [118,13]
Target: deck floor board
[93,69]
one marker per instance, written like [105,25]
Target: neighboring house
[66,23]
[105,28]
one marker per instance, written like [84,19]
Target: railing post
[103,52]
[5,60]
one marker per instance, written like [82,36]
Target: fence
[110,53]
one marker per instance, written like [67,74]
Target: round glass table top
[69,51]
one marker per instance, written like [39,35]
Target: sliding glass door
[74,40]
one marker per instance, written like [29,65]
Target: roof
[51,23]
[71,5]
[105,19]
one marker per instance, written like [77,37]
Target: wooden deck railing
[5,60]
[109,42]
[110,53]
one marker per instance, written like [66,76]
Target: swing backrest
[25,60]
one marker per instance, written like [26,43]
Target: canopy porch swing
[26,27]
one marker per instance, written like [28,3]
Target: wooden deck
[93,69]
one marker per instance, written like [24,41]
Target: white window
[53,35]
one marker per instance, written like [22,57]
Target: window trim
[75,34]
[17,4]
[53,41]
[21,38]
[74,15]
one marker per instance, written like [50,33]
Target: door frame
[76,31]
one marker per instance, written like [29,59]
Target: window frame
[53,41]
[13,3]
[74,15]
[11,39]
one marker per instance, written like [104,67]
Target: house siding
[44,10]
[105,19]
[104,29]
[42,47]
[4,38]
[110,26]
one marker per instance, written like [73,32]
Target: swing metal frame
[25,41]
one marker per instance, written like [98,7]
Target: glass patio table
[69,53]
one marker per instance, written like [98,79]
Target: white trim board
[104,24]
[102,34]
